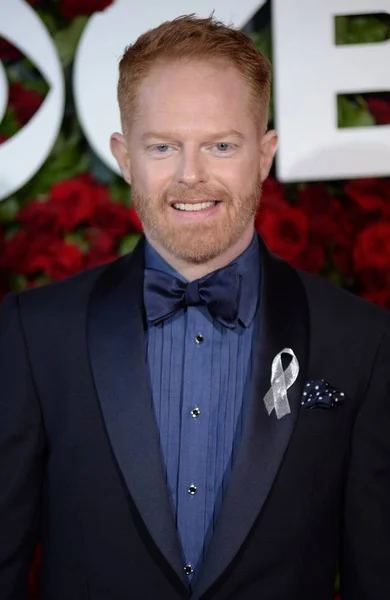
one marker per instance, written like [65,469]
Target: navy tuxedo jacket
[81,468]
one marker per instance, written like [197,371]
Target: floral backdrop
[76,213]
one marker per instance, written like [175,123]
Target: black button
[199,338]
[195,412]
[192,489]
[188,570]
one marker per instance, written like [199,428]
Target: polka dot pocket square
[318,393]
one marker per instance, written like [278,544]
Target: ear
[119,151]
[268,147]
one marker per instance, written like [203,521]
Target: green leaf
[9,208]
[75,134]
[42,280]
[335,277]
[68,158]
[128,243]
[67,39]
[360,30]
[263,42]
[66,165]
[341,30]
[337,582]
[37,85]
[76,239]
[98,169]
[9,125]
[120,191]
[353,114]
[19,282]
[48,20]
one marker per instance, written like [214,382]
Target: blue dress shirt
[200,375]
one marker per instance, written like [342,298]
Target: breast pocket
[322,422]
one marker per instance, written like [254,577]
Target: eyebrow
[165,135]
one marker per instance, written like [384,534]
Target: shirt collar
[248,264]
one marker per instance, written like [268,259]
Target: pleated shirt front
[200,376]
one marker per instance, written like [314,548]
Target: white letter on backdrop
[310,71]
[22,155]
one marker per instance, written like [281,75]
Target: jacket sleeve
[21,456]
[365,564]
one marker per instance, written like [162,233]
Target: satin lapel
[117,354]
[283,323]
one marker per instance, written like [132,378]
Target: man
[197,419]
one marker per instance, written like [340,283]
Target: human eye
[223,149]
[162,148]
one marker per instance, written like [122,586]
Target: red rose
[372,249]
[374,280]
[314,199]
[380,110]
[316,202]
[342,258]
[4,286]
[29,254]
[311,259]
[102,247]
[21,250]
[40,218]
[24,102]
[374,285]
[58,260]
[101,242]
[134,221]
[285,230]
[13,256]
[8,50]
[4,283]
[74,8]
[34,575]
[350,220]
[113,217]
[369,194]
[273,194]
[3,138]
[381,298]
[94,260]
[74,201]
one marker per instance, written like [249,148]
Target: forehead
[193,95]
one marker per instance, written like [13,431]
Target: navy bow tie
[164,295]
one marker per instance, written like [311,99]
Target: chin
[198,249]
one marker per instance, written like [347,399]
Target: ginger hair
[191,38]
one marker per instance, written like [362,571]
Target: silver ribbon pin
[281,381]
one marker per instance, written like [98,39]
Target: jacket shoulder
[70,293]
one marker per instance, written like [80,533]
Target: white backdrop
[309,72]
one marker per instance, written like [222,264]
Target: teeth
[199,206]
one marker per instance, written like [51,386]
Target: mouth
[193,206]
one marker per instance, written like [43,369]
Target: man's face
[194,159]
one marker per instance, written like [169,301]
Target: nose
[192,168]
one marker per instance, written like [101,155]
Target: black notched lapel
[284,323]
[117,354]
[117,351]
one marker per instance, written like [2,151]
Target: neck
[191,271]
